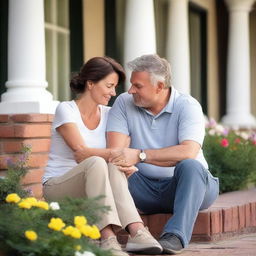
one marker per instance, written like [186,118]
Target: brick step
[231,214]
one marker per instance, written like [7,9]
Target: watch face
[142,156]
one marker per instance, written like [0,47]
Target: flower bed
[31,227]
[231,155]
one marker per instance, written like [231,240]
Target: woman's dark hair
[95,69]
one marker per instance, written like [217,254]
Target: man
[166,132]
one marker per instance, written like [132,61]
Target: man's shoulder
[185,100]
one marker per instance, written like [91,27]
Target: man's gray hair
[158,68]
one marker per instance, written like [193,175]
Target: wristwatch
[142,156]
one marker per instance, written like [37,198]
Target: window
[57,39]
[3,44]
[114,27]
[198,54]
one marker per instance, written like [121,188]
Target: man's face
[143,91]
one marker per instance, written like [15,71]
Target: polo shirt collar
[169,107]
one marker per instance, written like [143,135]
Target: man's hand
[124,157]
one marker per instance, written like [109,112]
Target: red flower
[224,143]
[237,140]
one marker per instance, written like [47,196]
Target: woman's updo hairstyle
[95,69]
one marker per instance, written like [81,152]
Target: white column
[139,36]
[238,66]
[26,83]
[177,51]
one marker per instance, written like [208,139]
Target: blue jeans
[192,188]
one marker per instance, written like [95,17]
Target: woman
[80,125]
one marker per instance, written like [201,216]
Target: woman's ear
[89,84]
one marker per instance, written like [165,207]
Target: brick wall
[32,129]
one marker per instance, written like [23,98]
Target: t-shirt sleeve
[117,118]
[191,123]
[63,114]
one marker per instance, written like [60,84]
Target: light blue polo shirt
[181,119]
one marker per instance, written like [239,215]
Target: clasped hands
[125,159]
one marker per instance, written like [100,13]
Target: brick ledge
[233,213]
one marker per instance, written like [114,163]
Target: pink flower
[224,143]
[225,132]
[212,123]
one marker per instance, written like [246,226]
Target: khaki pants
[91,178]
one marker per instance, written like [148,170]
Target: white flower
[85,253]
[244,135]
[219,129]
[237,132]
[211,132]
[54,206]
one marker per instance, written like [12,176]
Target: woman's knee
[114,171]
[95,164]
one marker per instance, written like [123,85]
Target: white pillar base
[242,120]
[29,107]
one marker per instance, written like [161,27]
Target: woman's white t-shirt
[61,156]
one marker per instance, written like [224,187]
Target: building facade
[211,45]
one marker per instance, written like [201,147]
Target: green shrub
[16,170]
[30,227]
[231,156]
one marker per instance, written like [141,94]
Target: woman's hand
[128,171]
[124,157]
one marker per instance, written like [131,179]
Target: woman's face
[103,90]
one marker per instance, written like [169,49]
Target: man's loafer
[171,244]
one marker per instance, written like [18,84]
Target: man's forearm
[163,164]
[170,156]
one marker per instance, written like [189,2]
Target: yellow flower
[42,204]
[31,235]
[86,230]
[68,230]
[78,247]
[72,231]
[95,234]
[31,200]
[80,221]
[56,224]
[75,233]
[24,204]
[12,198]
